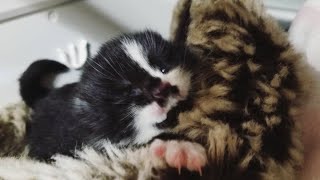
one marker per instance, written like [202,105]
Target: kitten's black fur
[98,106]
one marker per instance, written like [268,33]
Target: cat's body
[129,93]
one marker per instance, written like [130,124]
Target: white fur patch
[69,77]
[145,120]
[172,102]
[136,53]
[180,78]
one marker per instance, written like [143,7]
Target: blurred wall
[34,29]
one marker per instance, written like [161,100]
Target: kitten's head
[141,72]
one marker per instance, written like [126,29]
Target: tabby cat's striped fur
[250,88]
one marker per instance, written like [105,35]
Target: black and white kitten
[129,93]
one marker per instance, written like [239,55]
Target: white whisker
[105,70]
[111,66]
[104,75]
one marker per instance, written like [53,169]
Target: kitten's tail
[37,81]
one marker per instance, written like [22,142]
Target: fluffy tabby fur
[251,87]
[250,91]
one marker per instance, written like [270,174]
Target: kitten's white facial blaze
[176,77]
[136,53]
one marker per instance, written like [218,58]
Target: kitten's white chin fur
[148,116]
[145,120]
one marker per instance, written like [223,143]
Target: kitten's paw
[180,154]
[75,56]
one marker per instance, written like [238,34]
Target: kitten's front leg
[180,154]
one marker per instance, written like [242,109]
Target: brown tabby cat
[250,88]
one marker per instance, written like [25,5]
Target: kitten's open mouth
[163,102]
[165,105]
[163,94]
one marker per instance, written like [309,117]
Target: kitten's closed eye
[136,92]
[160,63]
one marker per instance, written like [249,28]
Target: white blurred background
[34,29]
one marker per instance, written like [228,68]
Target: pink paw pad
[179,154]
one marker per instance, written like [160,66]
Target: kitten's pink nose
[162,91]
